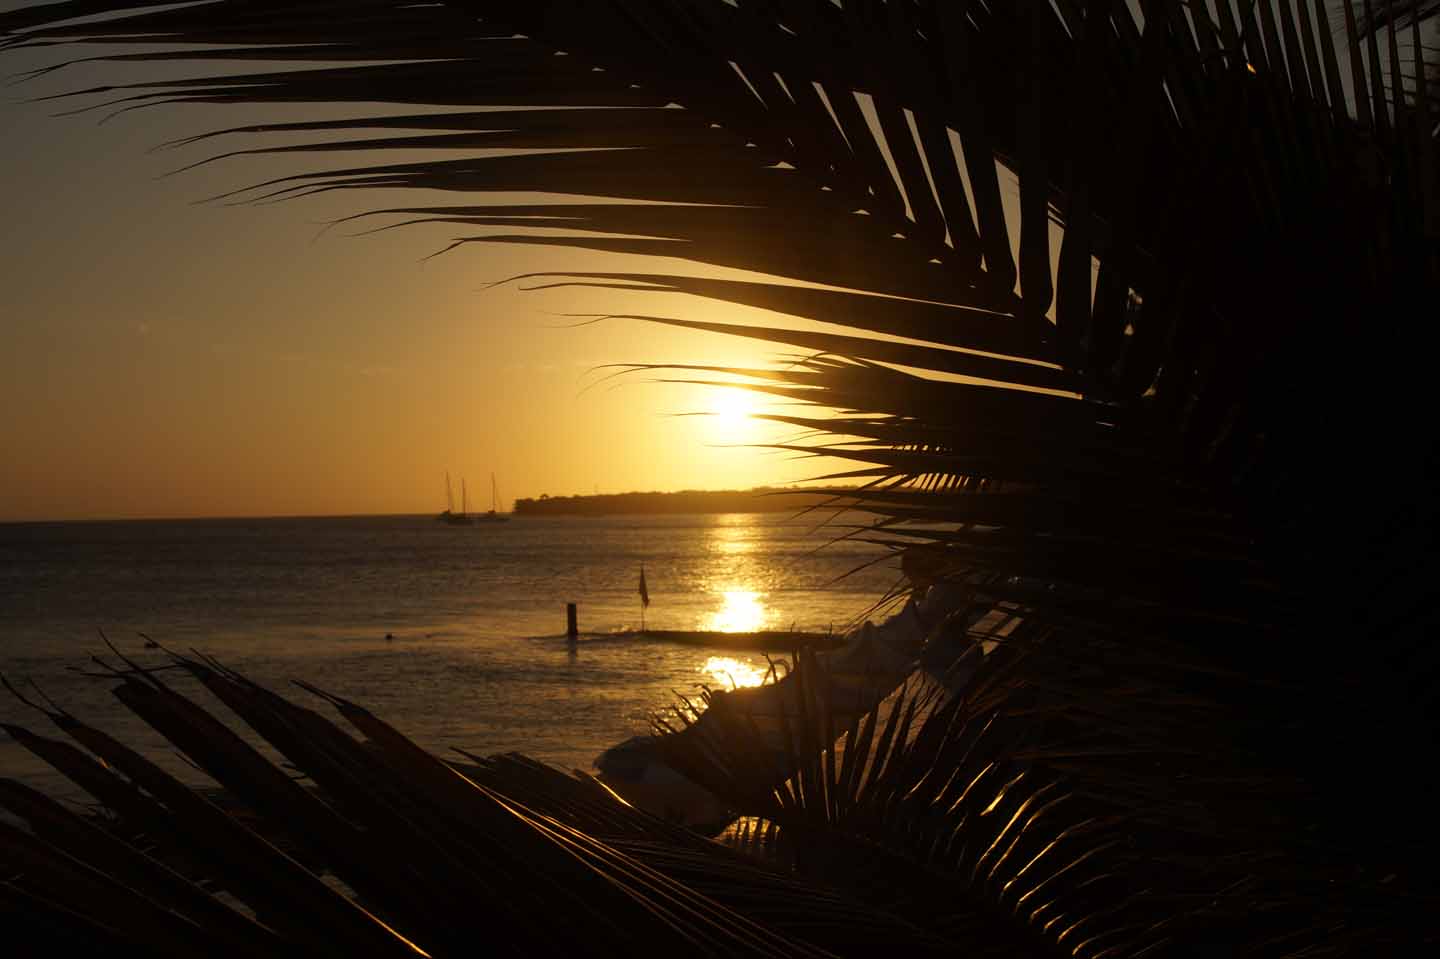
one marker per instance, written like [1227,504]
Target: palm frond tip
[1151,272]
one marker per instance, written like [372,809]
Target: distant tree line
[759,500]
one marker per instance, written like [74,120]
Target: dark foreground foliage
[501,854]
[1136,300]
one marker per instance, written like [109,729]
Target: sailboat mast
[494,505]
[449,494]
[464,501]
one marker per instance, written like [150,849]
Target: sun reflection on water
[731,672]
[732,535]
[732,540]
[742,612]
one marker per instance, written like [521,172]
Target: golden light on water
[731,672]
[742,611]
[732,534]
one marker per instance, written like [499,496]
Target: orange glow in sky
[160,358]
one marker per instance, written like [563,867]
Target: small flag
[644,593]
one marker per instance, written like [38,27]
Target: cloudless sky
[162,358]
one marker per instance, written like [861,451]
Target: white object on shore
[869,666]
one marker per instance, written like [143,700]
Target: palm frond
[1128,293]
[427,855]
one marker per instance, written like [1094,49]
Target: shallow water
[478,659]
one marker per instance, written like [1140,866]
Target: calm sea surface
[479,658]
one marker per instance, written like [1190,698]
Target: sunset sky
[160,358]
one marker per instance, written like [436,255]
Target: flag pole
[644,597]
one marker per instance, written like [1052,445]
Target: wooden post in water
[572,631]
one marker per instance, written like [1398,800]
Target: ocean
[477,657]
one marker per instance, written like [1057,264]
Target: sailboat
[449,516]
[492,516]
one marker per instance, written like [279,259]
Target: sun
[730,412]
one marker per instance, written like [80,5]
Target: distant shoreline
[762,500]
[759,500]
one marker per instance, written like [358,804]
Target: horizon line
[4,521]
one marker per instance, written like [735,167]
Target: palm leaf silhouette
[1134,298]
